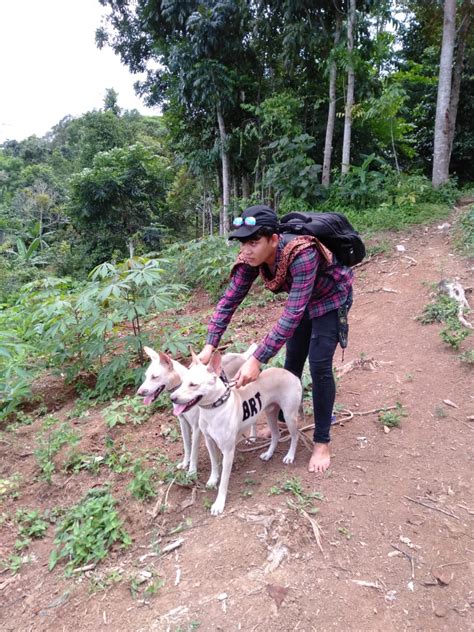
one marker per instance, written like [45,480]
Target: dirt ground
[394,512]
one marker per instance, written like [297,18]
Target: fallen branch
[428,506]
[314,525]
[408,556]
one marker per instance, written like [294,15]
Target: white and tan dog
[166,374]
[227,412]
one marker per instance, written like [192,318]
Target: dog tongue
[148,400]
[179,408]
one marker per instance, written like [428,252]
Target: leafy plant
[88,530]
[141,486]
[31,523]
[454,333]
[14,563]
[464,233]
[301,498]
[117,459]
[50,441]
[467,357]
[392,418]
[125,410]
[445,310]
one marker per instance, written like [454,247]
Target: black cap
[264,216]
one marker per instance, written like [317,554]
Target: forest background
[361,107]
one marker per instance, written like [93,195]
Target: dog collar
[222,399]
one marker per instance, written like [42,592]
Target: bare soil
[394,517]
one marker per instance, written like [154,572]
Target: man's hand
[249,372]
[206,354]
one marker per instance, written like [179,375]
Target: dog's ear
[151,353]
[194,358]
[165,359]
[215,363]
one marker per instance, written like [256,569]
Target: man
[312,322]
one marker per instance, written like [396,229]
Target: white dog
[227,412]
[166,374]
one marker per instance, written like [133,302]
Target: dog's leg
[291,417]
[228,458]
[272,418]
[195,436]
[186,434]
[214,456]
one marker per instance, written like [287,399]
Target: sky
[50,66]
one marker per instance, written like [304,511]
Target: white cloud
[51,66]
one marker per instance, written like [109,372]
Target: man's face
[258,251]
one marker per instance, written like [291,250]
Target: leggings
[317,340]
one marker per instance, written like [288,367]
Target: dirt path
[394,514]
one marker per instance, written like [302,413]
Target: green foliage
[9,486]
[300,498]
[123,192]
[445,310]
[14,563]
[117,459]
[454,333]
[442,309]
[129,409]
[31,523]
[50,441]
[464,233]
[392,418]
[88,530]
[467,357]
[202,263]
[141,486]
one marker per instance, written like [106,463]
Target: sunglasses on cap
[248,221]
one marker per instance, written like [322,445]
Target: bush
[88,530]
[202,263]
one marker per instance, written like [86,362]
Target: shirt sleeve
[303,271]
[239,285]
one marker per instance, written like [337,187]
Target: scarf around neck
[288,254]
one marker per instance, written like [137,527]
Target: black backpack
[332,229]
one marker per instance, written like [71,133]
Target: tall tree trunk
[441,134]
[326,178]
[245,186]
[346,144]
[224,223]
[466,22]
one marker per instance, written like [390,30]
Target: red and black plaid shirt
[311,284]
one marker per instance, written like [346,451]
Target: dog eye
[192,385]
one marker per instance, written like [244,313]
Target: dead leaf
[277,593]
[448,402]
[187,502]
[443,576]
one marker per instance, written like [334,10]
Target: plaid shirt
[310,284]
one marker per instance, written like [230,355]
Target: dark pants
[317,340]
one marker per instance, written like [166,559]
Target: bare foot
[320,459]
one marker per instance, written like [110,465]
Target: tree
[332,107]
[442,134]
[346,144]
[121,196]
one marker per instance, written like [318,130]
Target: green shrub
[202,263]
[88,530]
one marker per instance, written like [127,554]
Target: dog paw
[218,507]
[266,456]
[287,459]
[183,465]
[211,483]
